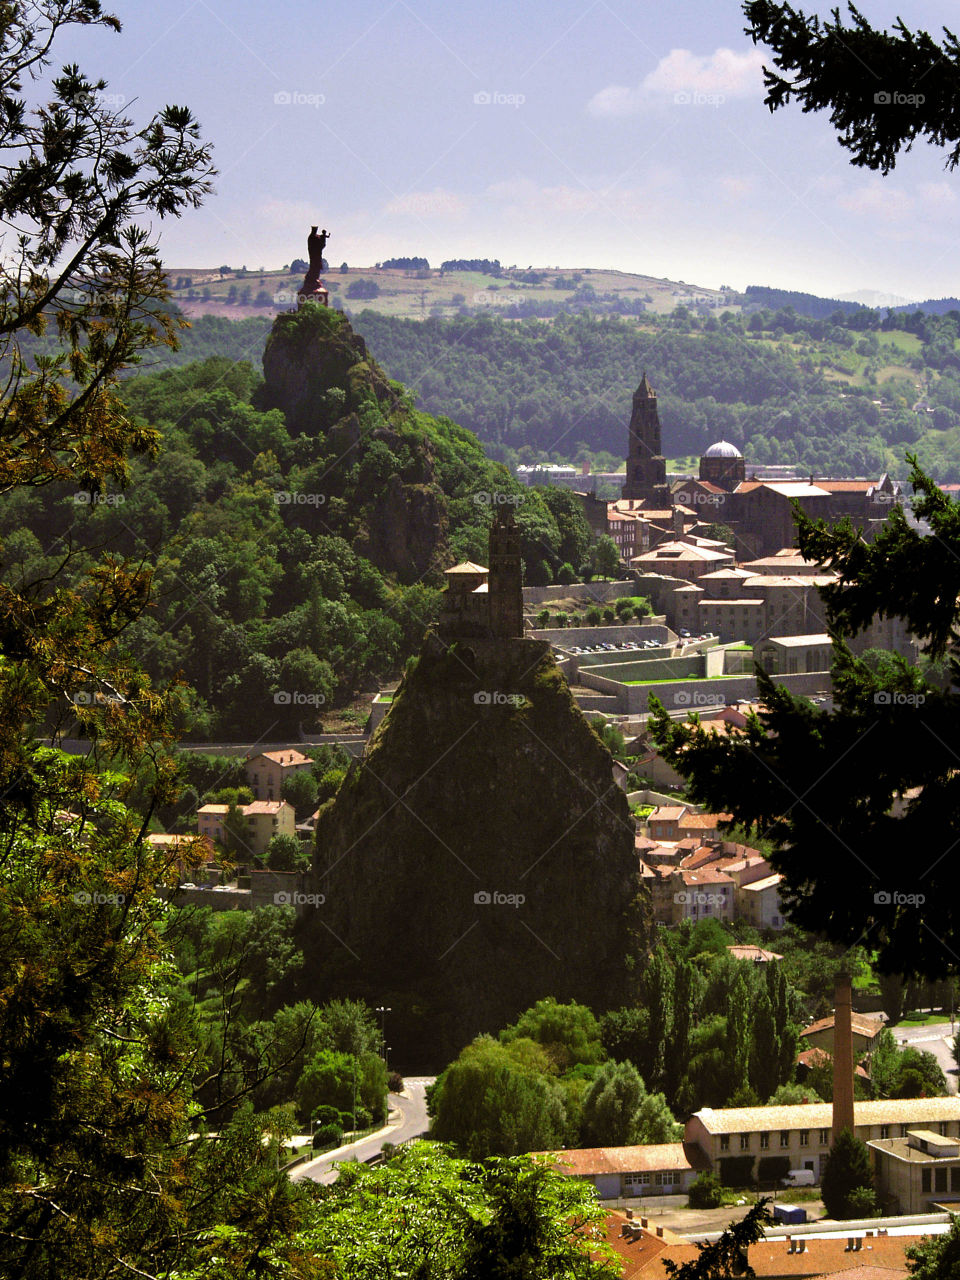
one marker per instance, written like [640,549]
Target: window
[884,1131]
[824,1137]
[903,1131]
[744,1142]
[924,1179]
[940,1179]
[943,1128]
[784,1137]
[804,1138]
[764,1141]
[955,1178]
[724,1142]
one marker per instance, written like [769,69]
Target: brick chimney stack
[842,1057]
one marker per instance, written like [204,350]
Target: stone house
[267,771]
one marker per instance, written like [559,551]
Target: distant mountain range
[811,304]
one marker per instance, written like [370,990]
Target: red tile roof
[859,1022]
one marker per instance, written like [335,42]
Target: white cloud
[723,74]
[438,203]
[879,200]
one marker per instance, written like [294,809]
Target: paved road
[936,1038]
[412,1104]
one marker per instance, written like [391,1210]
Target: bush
[542,619]
[706,1192]
[862,1203]
[609,615]
[327,1135]
[395,1082]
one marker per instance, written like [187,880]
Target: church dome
[723,449]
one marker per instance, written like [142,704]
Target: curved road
[412,1105]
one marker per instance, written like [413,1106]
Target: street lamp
[383,1010]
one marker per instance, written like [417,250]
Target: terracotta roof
[847,486]
[819,1115]
[707,875]
[283,757]
[704,821]
[467,567]
[668,813]
[263,806]
[213,809]
[753,953]
[642,1253]
[590,1161]
[860,1022]
[810,1058]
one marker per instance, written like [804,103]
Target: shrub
[395,1082]
[706,1192]
[862,1203]
[327,1135]
[609,615]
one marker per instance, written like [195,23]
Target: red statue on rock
[313,289]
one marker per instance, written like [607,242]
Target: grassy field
[418,294]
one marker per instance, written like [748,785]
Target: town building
[864,1031]
[646,478]
[657,1169]
[917,1172]
[267,771]
[803,1133]
[487,604]
[263,819]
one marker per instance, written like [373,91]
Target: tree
[611,1106]
[867,79]
[727,1256]
[286,853]
[839,847]
[462,1221]
[847,1170]
[884,1064]
[936,1257]
[892,992]
[569,1032]
[300,789]
[605,557]
[706,1191]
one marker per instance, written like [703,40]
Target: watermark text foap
[97,899]
[494,898]
[697,898]
[893,98]
[87,499]
[683,698]
[894,898]
[694,98]
[294,698]
[294,98]
[293,498]
[894,698]
[494,698]
[497,499]
[494,98]
[293,898]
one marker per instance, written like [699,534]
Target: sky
[572,133]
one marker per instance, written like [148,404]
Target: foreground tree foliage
[883,90]
[430,1215]
[843,794]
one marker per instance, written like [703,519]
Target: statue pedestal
[315,295]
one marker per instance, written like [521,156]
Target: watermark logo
[97,899]
[293,698]
[694,98]
[894,898]
[487,298]
[684,698]
[93,100]
[293,98]
[291,498]
[697,898]
[497,499]
[494,98]
[893,98]
[494,898]
[292,898]
[495,698]
[83,699]
[699,499]
[894,698]
[87,499]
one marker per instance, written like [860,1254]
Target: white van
[799,1178]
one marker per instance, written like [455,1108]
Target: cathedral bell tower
[646,467]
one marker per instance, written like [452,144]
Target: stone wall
[564,637]
[589,592]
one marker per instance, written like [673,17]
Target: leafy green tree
[658,998]
[792,1095]
[605,557]
[892,991]
[611,1106]
[286,853]
[706,1191]
[763,1066]
[567,510]
[514,1217]
[936,1257]
[919,1075]
[300,790]
[847,1170]
[569,1032]
[884,1064]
